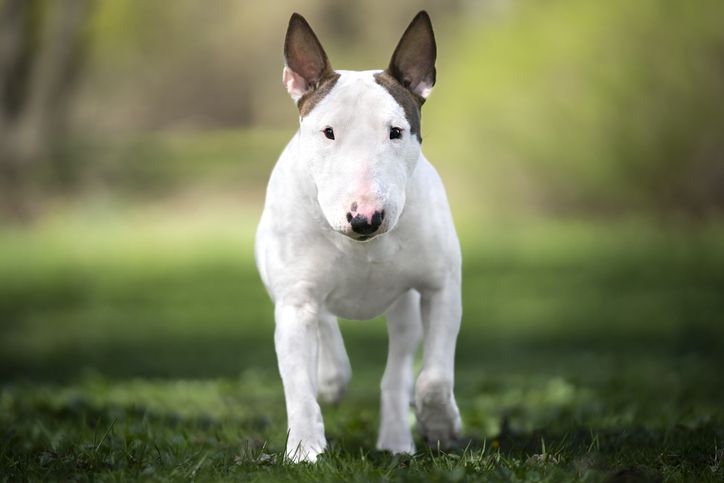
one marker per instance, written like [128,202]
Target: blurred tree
[587,107]
[42,48]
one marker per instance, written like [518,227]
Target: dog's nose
[363,226]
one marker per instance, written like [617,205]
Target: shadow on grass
[215,354]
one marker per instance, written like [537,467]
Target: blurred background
[581,144]
[556,107]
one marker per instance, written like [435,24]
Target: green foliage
[157,165]
[141,347]
[577,105]
[561,106]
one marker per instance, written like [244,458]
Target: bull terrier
[356,224]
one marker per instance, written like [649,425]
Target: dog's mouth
[362,238]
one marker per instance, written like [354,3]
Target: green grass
[140,347]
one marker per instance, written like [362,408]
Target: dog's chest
[364,285]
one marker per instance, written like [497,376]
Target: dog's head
[360,131]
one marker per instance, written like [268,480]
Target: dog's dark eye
[329,132]
[395,133]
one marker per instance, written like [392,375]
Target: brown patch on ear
[410,102]
[311,98]
[413,62]
[305,56]
[303,52]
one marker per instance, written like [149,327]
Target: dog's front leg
[404,329]
[295,339]
[438,418]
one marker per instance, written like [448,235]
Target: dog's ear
[413,62]
[306,63]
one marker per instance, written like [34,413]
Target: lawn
[139,346]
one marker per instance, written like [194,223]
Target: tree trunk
[41,51]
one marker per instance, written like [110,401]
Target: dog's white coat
[316,271]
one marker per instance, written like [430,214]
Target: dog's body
[356,224]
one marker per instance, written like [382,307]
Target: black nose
[362,226]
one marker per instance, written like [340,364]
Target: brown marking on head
[312,97]
[411,74]
[410,102]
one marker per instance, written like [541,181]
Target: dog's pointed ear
[306,63]
[413,62]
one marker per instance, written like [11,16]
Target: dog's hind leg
[333,367]
[404,327]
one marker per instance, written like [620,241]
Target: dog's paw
[438,417]
[305,450]
[396,443]
[395,435]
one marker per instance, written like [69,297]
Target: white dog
[356,224]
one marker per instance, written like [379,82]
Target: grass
[140,347]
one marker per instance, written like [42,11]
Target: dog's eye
[329,133]
[395,133]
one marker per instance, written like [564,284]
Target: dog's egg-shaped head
[360,131]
